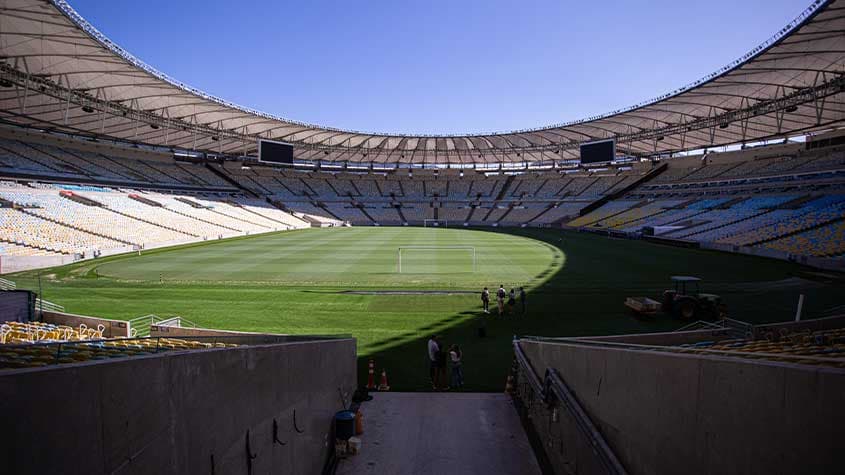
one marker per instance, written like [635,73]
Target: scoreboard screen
[275,152]
[596,152]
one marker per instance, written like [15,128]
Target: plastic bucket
[344,424]
[354,445]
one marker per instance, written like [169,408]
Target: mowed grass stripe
[344,256]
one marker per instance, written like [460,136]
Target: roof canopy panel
[59,73]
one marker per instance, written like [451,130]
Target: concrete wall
[671,413]
[114,328]
[817,262]
[10,264]
[173,413]
[179,332]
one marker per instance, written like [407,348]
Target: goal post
[435,223]
[405,249]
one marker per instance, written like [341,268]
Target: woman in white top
[457,368]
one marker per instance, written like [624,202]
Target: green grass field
[299,282]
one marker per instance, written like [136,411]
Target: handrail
[141,325]
[585,424]
[175,321]
[7,285]
[553,389]
[535,382]
[42,304]
[699,325]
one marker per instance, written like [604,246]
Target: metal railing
[140,326]
[41,305]
[176,321]
[7,285]
[700,325]
[735,328]
[553,393]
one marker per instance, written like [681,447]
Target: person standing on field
[500,298]
[442,378]
[485,300]
[511,302]
[433,351]
[522,299]
[457,380]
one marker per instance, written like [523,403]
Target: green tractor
[689,303]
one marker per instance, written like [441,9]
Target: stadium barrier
[659,411]
[9,264]
[181,411]
[817,262]
[113,328]
[184,332]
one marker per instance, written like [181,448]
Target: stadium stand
[781,198]
[28,345]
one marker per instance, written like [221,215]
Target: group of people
[438,355]
[501,294]
[440,358]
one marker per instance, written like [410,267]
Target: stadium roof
[57,72]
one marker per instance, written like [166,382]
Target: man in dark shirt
[485,300]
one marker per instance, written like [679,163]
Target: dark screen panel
[275,152]
[595,152]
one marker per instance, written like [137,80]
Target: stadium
[194,286]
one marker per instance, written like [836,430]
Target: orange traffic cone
[383,386]
[371,378]
[359,423]
[509,385]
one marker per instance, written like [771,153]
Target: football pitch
[348,281]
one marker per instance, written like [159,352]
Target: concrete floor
[442,434]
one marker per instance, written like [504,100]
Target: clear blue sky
[438,66]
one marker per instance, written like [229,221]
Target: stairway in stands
[652,174]
[401,215]
[225,176]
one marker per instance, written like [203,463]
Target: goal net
[435,223]
[436,259]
